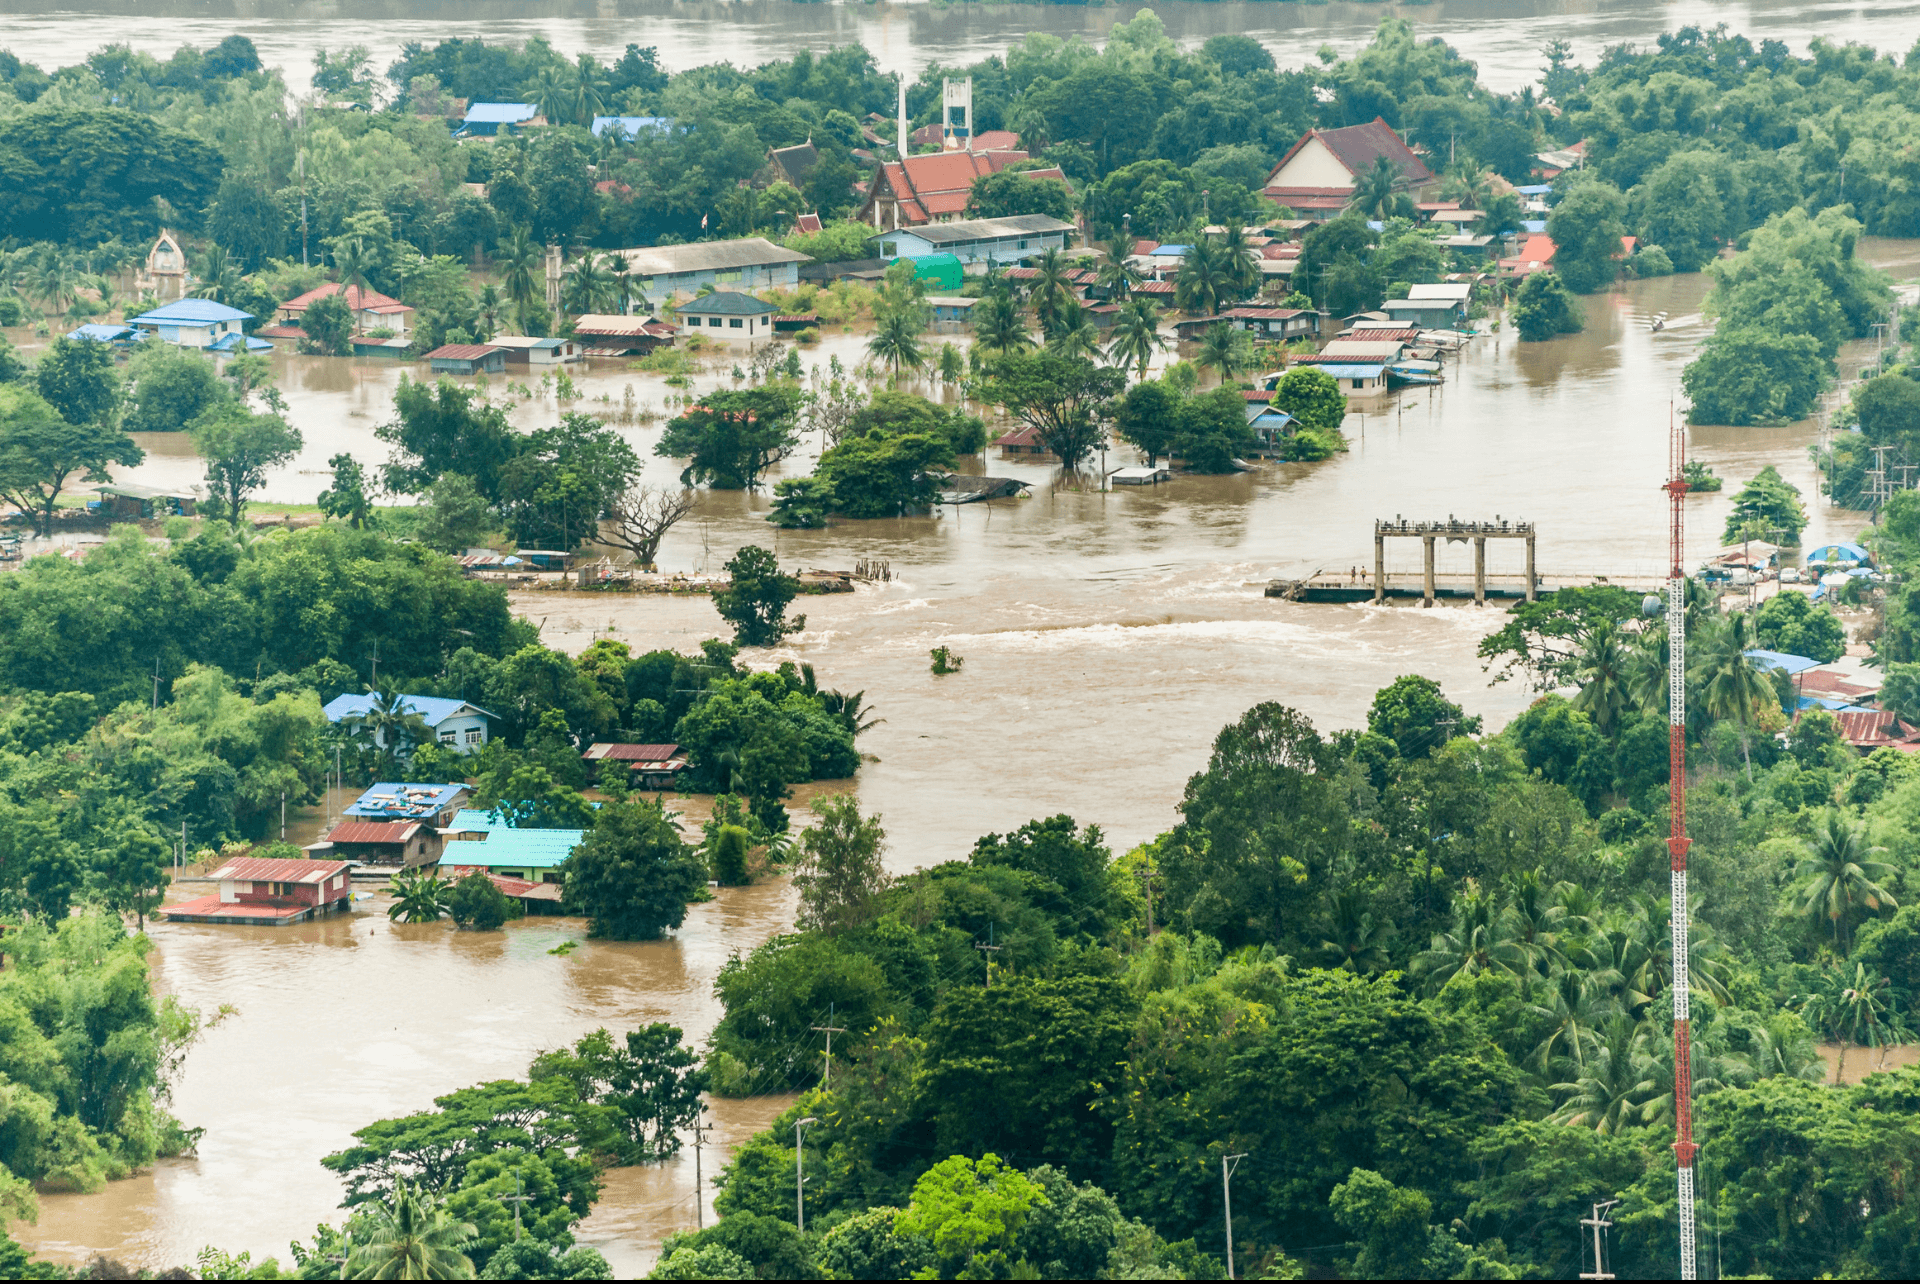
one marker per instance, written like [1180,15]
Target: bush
[1652,261]
[945,661]
[1746,376]
[727,855]
[1794,623]
[1544,308]
[474,902]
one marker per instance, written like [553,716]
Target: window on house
[1358,383]
[1023,244]
[736,323]
[693,320]
[475,736]
[446,737]
[889,249]
[726,278]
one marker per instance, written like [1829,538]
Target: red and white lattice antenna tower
[1677,841]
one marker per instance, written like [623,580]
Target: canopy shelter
[1839,553]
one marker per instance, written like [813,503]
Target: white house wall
[1314,165]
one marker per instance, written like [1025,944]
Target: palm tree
[1118,276]
[556,95]
[56,284]
[410,1237]
[1732,687]
[1353,941]
[521,272]
[1781,1047]
[1840,874]
[626,286]
[1136,336]
[1644,673]
[352,260]
[1471,947]
[1614,1085]
[1203,282]
[1075,335]
[998,328]
[1573,1010]
[1225,350]
[1600,669]
[591,89]
[590,286]
[219,276]
[1373,192]
[388,723]
[490,309]
[896,341]
[419,897]
[1239,265]
[1053,295]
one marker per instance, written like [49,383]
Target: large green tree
[240,449]
[1586,227]
[1065,400]
[731,438]
[40,452]
[83,175]
[633,875]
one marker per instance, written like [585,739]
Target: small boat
[1414,373]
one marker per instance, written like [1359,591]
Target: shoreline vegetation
[1411,974]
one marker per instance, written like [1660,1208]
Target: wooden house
[648,766]
[467,359]
[273,892]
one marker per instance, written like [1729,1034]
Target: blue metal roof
[1780,660]
[237,342]
[1839,553]
[500,113]
[1343,371]
[1535,189]
[107,333]
[191,312]
[433,709]
[632,126]
[505,847]
[1824,702]
[390,799]
[1170,250]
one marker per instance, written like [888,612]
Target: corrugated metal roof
[261,869]
[632,753]
[505,846]
[500,113]
[461,352]
[374,831]
[191,312]
[708,256]
[397,799]
[597,324]
[982,229]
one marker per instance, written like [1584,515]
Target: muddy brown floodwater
[1107,638]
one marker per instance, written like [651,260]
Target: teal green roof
[505,847]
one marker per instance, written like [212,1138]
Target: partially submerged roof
[610,323]
[375,831]
[262,869]
[1456,292]
[461,352]
[127,490]
[525,341]
[632,753]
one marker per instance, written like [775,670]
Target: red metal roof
[373,831]
[1358,146]
[211,906]
[1154,287]
[807,223]
[369,301]
[1263,314]
[1872,728]
[461,352]
[1256,394]
[632,753]
[941,182]
[260,869]
[1022,436]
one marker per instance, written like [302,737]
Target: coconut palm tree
[1643,673]
[1615,1083]
[556,95]
[1373,191]
[351,260]
[388,723]
[1118,276]
[1840,873]
[410,1237]
[1472,945]
[1573,1011]
[590,286]
[1600,669]
[1733,688]
[520,260]
[1204,282]
[896,341]
[591,90]
[1075,335]
[419,897]
[220,278]
[1053,296]
[998,328]
[1136,336]
[1240,264]
[1353,941]
[56,283]
[1226,350]
[491,307]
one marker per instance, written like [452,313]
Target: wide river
[1107,637]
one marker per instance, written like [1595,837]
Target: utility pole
[991,949]
[1877,475]
[1598,1223]
[518,1198]
[826,1078]
[700,1131]
[1146,877]
[283,815]
[1227,1164]
[799,1179]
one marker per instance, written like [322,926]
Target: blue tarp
[1535,189]
[108,333]
[1839,553]
[1780,660]
[1822,702]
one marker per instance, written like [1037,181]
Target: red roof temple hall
[260,890]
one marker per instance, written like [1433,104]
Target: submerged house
[476,841]
[648,766]
[257,889]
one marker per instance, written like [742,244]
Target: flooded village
[579,592]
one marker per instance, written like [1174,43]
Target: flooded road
[1504,37]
